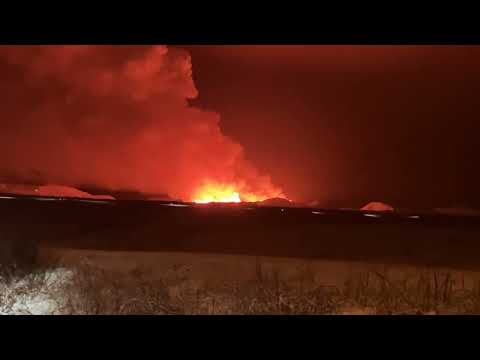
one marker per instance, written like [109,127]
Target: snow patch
[35,294]
[377,206]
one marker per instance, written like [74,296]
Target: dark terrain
[417,239]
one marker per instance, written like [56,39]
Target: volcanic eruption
[118,117]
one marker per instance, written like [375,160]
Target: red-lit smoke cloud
[116,117]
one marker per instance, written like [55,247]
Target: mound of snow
[377,206]
[102,197]
[66,191]
[50,191]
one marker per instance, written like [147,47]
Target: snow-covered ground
[221,268]
[97,282]
[41,293]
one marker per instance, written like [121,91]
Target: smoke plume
[115,117]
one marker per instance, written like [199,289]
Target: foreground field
[244,229]
[171,258]
[95,282]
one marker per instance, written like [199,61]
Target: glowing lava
[223,193]
[216,193]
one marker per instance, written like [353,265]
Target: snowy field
[96,282]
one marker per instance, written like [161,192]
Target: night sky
[342,125]
[346,125]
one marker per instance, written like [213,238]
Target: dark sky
[350,124]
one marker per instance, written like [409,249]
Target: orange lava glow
[222,193]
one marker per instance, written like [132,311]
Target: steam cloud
[115,117]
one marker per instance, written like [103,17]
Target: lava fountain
[212,192]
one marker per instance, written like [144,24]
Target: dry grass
[87,289]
